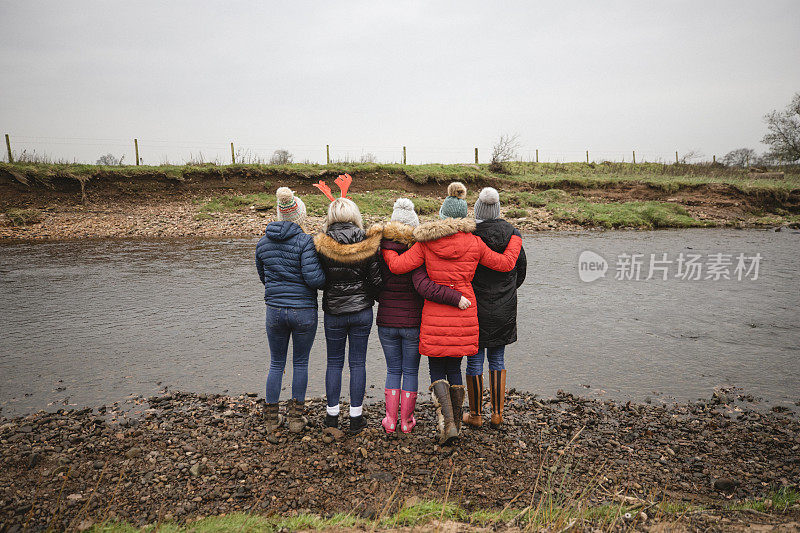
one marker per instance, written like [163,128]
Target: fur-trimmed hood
[399,232]
[349,253]
[431,231]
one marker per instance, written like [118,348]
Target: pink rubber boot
[389,422]
[408,401]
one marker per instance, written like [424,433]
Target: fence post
[8,147]
[676,157]
[634,157]
[476,155]
[233,157]
[537,155]
[328,154]
[715,158]
[587,156]
[136,147]
[404,155]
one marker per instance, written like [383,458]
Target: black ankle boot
[331,421]
[357,423]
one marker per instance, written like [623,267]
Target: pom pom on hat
[290,207]
[404,212]
[454,205]
[487,206]
[457,189]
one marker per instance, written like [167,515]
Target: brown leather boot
[497,386]
[297,418]
[273,419]
[475,399]
[457,393]
[440,394]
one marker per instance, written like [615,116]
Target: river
[93,322]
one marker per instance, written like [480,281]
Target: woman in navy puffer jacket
[289,268]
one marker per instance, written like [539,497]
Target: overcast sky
[83,78]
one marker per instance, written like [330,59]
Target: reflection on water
[91,322]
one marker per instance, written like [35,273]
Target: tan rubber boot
[475,399]
[497,385]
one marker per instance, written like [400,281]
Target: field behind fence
[136,151]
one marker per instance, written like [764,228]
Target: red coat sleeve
[504,262]
[402,264]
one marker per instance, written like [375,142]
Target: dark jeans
[496,360]
[301,325]
[401,349]
[448,368]
[338,329]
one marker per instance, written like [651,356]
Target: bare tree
[690,156]
[281,157]
[110,160]
[783,137]
[504,150]
[369,157]
[741,157]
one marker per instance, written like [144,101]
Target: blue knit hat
[454,205]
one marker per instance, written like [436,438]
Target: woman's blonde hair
[344,210]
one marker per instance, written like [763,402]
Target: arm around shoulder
[310,265]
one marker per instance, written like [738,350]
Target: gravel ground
[184,455]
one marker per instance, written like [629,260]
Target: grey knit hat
[454,205]
[487,206]
[290,207]
[404,212]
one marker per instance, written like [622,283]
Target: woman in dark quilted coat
[496,297]
[399,316]
[287,265]
[349,256]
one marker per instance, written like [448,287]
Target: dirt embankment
[157,203]
[186,455]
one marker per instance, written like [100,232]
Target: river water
[92,322]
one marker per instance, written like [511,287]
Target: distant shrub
[281,157]
[110,160]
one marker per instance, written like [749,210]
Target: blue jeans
[338,329]
[448,368]
[496,360]
[401,349]
[301,325]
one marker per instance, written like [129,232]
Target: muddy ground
[183,455]
[156,205]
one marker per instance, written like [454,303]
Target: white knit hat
[290,207]
[404,212]
[487,206]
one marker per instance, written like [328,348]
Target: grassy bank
[552,512]
[72,201]
[671,177]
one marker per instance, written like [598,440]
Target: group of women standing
[445,289]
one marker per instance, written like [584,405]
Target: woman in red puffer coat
[450,253]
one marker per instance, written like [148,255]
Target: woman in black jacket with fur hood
[349,256]
[496,298]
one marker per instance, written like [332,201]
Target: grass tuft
[23,217]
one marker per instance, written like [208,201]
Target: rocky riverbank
[181,456]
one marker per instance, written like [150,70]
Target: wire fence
[146,151]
